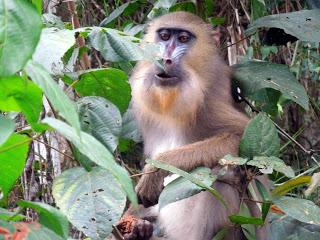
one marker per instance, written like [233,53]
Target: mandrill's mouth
[164,79]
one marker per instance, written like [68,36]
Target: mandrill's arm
[203,153]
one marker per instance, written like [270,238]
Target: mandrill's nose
[167,61]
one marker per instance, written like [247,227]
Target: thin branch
[144,173]
[85,62]
[48,145]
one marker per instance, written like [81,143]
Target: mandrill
[187,117]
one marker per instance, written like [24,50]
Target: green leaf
[266,165]
[184,6]
[29,231]
[116,46]
[10,216]
[115,14]
[21,95]
[19,34]
[220,235]
[182,188]
[258,9]
[238,219]
[6,128]
[38,5]
[54,43]
[300,209]
[130,128]
[187,176]
[260,138]
[49,216]
[13,154]
[265,197]
[290,185]
[97,153]
[93,201]
[253,76]
[53,92]
[101,119]
[287,228]
[231,160]
[109,83]
[304,24]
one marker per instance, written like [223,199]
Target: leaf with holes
[101,119]
[109,83]
[266,165]
[92,201]
[97,153]
[304,24]
[260,138]
[19,34]
[253,76]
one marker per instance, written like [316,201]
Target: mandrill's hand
[150,186]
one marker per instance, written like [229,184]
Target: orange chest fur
[164,99]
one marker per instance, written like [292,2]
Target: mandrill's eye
[184,38]
[164,35]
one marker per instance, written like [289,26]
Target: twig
[48,145]
[116,233]
[144,173]
[85,62]
[230,45]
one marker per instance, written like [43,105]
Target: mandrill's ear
[216,35]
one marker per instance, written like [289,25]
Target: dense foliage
[57,77]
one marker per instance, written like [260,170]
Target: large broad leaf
[54,43]
[253,76]
[188,176]
[266,165]
[13,154]
[282,228]
[97,153]
[6,128]
[116,46]
[182,188]
[49,216]
[304,24]
[27,231]
[300,209]
[101,119]
[130,128]
[20,27]
[21,95]
[53,92]
[260,138]
[109,83]
[93,201]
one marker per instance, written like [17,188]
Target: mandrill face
[174,44]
